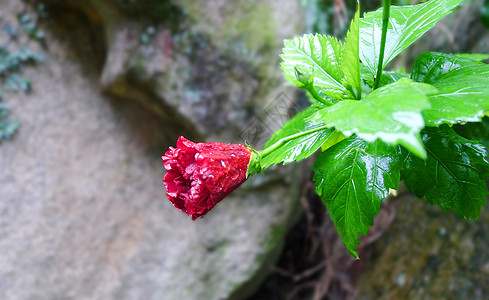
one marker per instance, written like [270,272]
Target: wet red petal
[200,175]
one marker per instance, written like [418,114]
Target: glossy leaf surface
[313,62]
[300,147]
[388,77]
[463,88]
[406,25]
[430,66]
[478,131]
[391,113]
[350,61]
[453,173]
[352,178]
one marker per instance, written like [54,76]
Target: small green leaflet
[391,113]
[7,127]
[406,25]
[352,178]
[307,137]
[452,175]
[463,88]
[315,59]
[350,61]
[15,82]
[12,61]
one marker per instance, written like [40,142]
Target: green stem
[284,140]
[316,96]
[385,22]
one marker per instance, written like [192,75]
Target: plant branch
[282,141]
[385,22]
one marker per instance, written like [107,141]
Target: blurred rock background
[83,213]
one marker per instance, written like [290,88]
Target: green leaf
[333,140]
[406,25]
[463,97]
[315,59]
[8,128]
[430,66]
[391,113]
[463,88]
[452,175]
[15,82]
[296,140]
[350,61]
[473,56]
[8,62]
[306,81]
[387,77]
[11,61]
[26,55]
[478,131]
[352,178]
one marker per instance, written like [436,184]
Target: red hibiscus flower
[199,175]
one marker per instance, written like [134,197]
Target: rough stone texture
[429,254]
[220,57]
[82,207]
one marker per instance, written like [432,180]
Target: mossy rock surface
[82,204]
[429,254]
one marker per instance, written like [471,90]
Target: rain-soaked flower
[199,175]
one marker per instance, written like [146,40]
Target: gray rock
[82,208]
[428,254]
